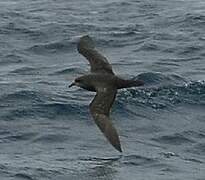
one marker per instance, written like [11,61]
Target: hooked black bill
[72,84]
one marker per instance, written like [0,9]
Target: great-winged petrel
[105,83]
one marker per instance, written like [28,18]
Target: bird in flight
[105,83]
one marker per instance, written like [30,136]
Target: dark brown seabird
[103,81]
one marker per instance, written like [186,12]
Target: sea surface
[46,131]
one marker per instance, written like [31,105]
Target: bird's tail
[137,82]
[129,83]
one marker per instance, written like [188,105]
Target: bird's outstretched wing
[97,61]
[100,109]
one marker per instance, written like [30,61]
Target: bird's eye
[77,80]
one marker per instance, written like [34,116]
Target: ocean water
[46,131]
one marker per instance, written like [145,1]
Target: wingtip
[116,144]
[85,42]
[112,136]
[119,149]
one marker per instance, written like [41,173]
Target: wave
[51,47]
[19,137]
[191,19]
[174,139]
[24,96]
[51,138]
[159,79]
[11,58]
[160,92]
[164,91]
[198,149]
[64,110]
[47,110]
[70,70]
[24,176]
[137,160]
[26,71]
[18,28]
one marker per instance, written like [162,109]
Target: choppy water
[46,131]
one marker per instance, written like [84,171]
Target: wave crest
[160,94]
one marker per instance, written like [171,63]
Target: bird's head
[78,82]
[84,82]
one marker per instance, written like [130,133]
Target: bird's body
[105,83]
[93,80]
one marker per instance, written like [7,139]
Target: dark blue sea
[46,130]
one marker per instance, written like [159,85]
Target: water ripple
[166,95]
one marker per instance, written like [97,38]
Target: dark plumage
[102,80]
